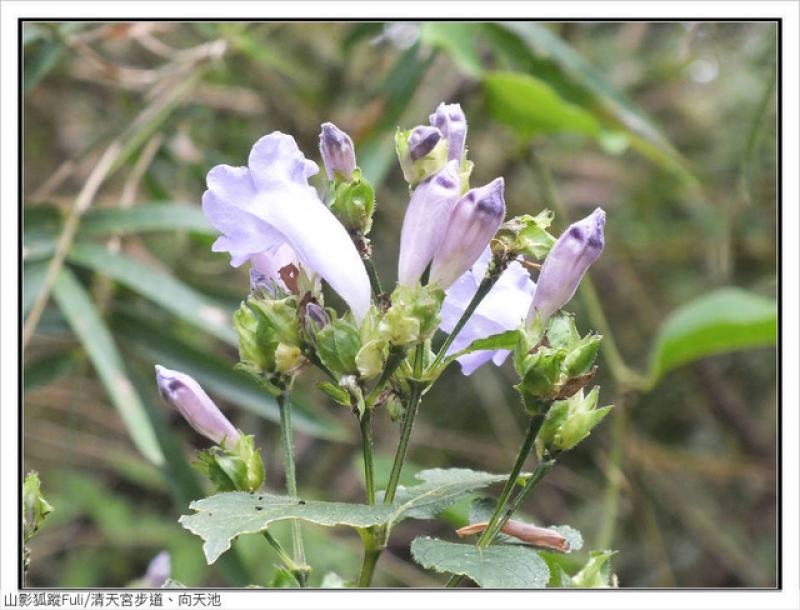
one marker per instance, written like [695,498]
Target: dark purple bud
[315,319]
[338,153]
[422,140]
[569,258]
[476,218]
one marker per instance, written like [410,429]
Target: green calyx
[237,469]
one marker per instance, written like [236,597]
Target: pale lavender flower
[568,259]
[504,308]
[190,400]
[338,152]
[475,219]
[426,221]
[269,204]
[158,571]
[450,120]
[422,140]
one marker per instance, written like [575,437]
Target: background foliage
[671,127]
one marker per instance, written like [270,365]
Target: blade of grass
[79,310]
[171,294]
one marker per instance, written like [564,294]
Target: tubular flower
[503,308]
[475,219]
[568,259]
[190,400]
[450,120]
[338,153]
[269,204]
[426,221]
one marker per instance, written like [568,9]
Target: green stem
[287,561]
[522,457]
[499,517]
[483,289]
[371,556]
[372,273]
[366,444]
[412,407]
[291,479]
[396,356]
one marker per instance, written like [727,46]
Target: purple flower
[338,152]
[158,571]
[568,259]
[450,120]
[475,219]
[503,309]
[268,204]
[426,221]
[190,400]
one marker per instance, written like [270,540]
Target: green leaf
[596,572]
[725,320]
[80,313]
[441,488]
[146,217]
[530,106]
[221,518]
[644,135]
[500,567]
[506,340]
[172,294]
[457,39]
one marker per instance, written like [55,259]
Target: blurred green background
[670,127]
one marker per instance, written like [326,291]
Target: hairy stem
[366,446]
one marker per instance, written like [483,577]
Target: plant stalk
[291,479]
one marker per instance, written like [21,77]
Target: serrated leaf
[725,320]
[168,292]
[500,567]
[441,488]
[221,518]
[506,340]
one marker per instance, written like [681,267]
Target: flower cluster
[269,215]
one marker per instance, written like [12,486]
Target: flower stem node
[238,469]
[556,365]
[413,316]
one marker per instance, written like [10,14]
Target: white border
[10,11]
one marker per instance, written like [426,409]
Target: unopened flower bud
[450,120]
[475,219]
[422,141]
[315,319]
[426,221]
[338,152]
[185,394]
[569,258]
